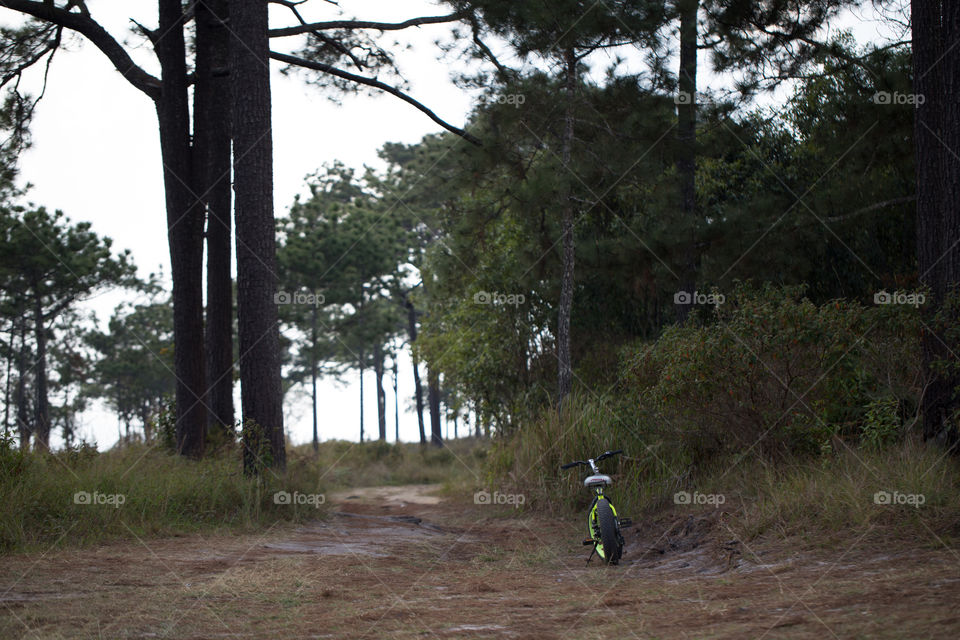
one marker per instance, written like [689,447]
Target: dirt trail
[400,562]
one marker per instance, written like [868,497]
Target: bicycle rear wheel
[609,536]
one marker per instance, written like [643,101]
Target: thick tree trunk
[261,393]
[433,397]
[184,233]
[417,385]
[211,143]
[936,72]
[564,361]
[381,395]
[41,406]
[687,154]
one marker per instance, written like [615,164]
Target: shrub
[774,372]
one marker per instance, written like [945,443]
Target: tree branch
[485,50]
[292,5]
[371,82]
[873,207]
[91,29]
[52,44]
[358,24]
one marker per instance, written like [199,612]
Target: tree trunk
[261,393]
[41,407]
[7,378]
[211,144]
[381,395]
[687,154]
[417,385]
[396,405]
[313,377]
[565,365]
[23,411]
[936,73]
[476,420]
[361,396]
[433,397]
[184,233]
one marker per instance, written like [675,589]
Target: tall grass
[827,496]
[588,425]
[83,496]
[348,464]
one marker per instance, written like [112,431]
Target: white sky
[96,156]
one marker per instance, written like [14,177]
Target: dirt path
[399,562]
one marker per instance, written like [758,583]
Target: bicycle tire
[609,536]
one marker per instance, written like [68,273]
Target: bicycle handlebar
[608,454]
[602,456]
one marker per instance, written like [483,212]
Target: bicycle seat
[597,480]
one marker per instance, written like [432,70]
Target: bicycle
[603,523]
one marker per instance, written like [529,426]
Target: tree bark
[23,412]
[417,385]
[41,407]
[6,381]
[936,73]
[381,395]
[565,365]
[211,145]
[313,377]
[361,396]
[184,232]
[261,393]
[433,397]
[396,404]
[687,153]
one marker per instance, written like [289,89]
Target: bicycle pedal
[626,522]
[588,541]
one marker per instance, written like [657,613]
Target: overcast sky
[96,156]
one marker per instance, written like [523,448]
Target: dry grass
[487,577]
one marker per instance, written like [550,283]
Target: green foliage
[881,424]
[776,373]
[167,423]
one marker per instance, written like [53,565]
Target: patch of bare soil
[398,562]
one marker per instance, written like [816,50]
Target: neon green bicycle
[603,523]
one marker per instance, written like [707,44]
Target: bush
[775,372]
